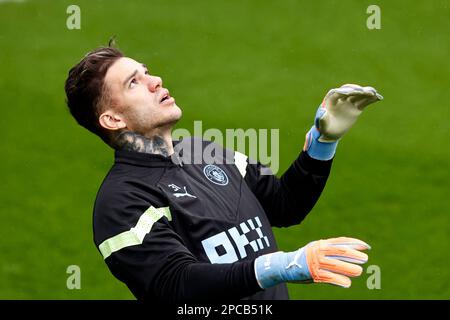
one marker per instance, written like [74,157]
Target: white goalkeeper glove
[335,116]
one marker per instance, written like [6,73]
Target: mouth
[166,98]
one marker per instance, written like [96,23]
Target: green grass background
[234,64]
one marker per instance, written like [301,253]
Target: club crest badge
[215,175]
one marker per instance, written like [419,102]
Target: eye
[146,72]
[133,82]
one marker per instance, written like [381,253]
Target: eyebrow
[131,76]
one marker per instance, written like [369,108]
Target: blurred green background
[234,64]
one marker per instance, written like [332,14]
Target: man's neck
[156,144]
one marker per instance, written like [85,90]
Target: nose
[154,83]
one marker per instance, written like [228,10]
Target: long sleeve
[177,276]
[135,237]
[288,199]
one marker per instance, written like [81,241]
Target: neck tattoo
[132,141]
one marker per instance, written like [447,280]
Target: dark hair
[85,90]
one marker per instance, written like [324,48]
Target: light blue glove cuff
[274,268]
[319,150]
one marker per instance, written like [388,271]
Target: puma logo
[179,194]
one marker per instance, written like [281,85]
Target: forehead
[120,69]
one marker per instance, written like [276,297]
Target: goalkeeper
[176,230]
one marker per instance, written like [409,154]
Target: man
[171,229]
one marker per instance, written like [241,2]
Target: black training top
[188,227]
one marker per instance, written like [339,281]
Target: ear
[111,121]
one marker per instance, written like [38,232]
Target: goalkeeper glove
[335,116]
[330,261]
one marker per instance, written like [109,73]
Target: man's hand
[335,116]
[330,261]
[340,109]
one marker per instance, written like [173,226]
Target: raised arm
[288,199]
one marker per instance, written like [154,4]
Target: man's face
[139,98]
